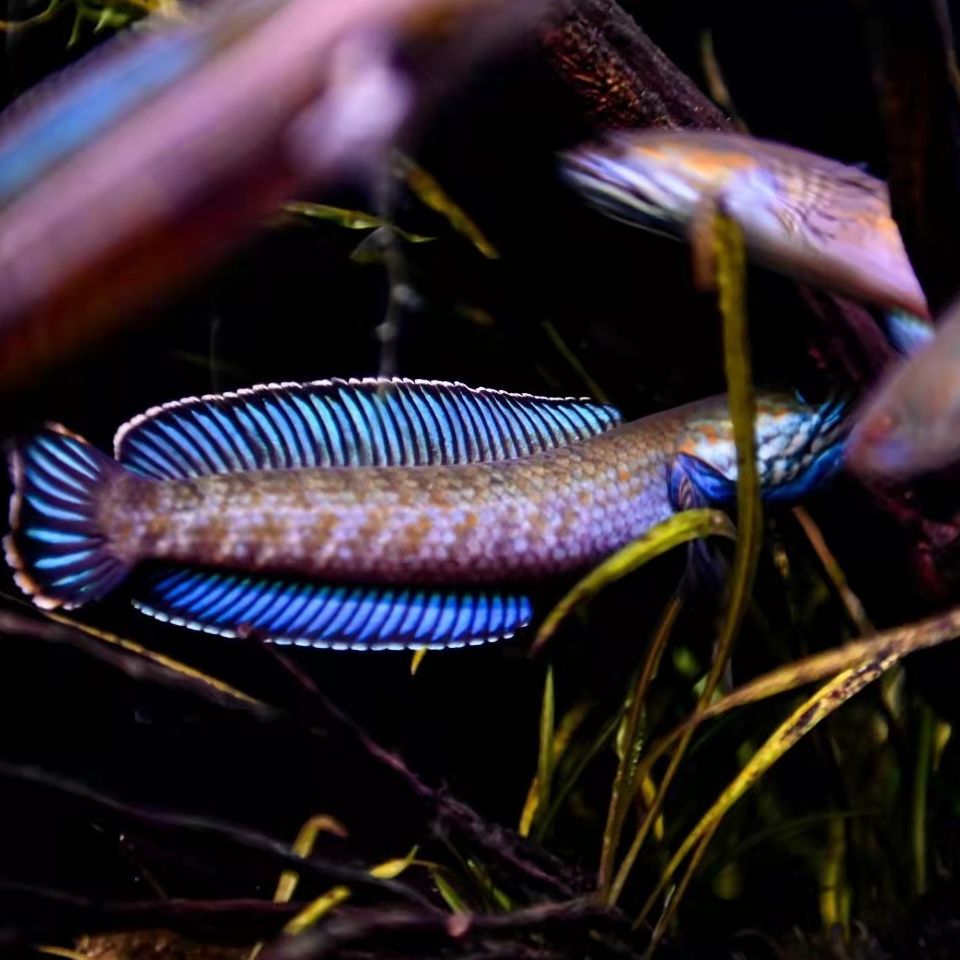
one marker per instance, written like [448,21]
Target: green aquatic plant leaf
[315,911]
[807,716]
[728,257]
[431,194]
[631,735]
[348,219]
[676,530]
[539,792]
[539,800]
[921,786]
[303,847]
[574,362]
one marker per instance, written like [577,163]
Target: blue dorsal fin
[304,614]
[351,423]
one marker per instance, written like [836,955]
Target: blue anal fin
[305,614]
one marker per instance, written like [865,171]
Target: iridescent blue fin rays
[351,423]
[287,611]
[56,549]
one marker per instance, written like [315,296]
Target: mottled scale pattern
[513,519]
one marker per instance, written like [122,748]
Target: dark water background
[293,306]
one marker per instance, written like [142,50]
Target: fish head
[798,447]
[911,424]
[660,180]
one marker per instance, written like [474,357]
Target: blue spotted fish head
[799,448]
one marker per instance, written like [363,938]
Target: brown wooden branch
[623,78]
[571,929]
[51,913]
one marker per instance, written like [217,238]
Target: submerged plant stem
[731,272]
[621,795]
[921,782]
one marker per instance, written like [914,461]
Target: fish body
[393,489]
[804,215]
[910,424]
[150,159]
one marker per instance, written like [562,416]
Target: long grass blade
[729,258]
[319,908]
[303,847]
[190,673]
[851,602]
[681,528]
[886,650]
[834,892]
[432,195]
[901,640]
[539,793]
[620,796]
[561,346]
[921,783]
[807,716]
[348,219]
[531,822]
[572,776]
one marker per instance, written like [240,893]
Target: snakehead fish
[370,513]
[801,214]
[911,423]
[133,170]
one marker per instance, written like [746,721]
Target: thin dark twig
[53,910]
[450,816]
[569,925]
[275,851]
[133,665]
[540,871]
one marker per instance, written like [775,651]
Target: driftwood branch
[574,929]
[622,77]
[52,913]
